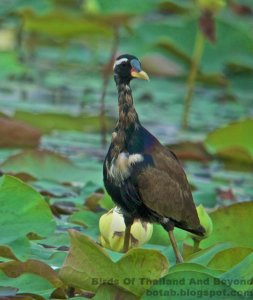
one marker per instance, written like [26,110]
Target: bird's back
[162,183]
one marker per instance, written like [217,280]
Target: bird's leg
[127,238]
[128,223]
[179,258]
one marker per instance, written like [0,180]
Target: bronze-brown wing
[164,189]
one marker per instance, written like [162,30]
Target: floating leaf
[160,236]
[112,292]
[190,285]
[240,276]
[46,122]
[227,258]
[232,224]
[44,164]
[14,269]
[47,253]
[59,24]
[88,266]
[232,141]
[28,283]
[204,256]
[190,151]
[16,249]
[18,134]
[193,267]
[88,219]
[22,211]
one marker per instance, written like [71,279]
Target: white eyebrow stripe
[118,62]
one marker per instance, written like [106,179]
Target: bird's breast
[119,169]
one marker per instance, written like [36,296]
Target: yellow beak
[141,75]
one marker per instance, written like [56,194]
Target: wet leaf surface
[50,121]
[31,212]
[225,228]
[28,283]
[232,142]
[14,269]
[79,270]
[227,258]
[44,165]
[187,286]
[110,292]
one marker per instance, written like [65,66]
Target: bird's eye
[124,64]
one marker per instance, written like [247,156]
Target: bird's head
[128,67]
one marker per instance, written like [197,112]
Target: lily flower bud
[112,228]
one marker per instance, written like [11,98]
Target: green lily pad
[204,256]
[14,269]
[241,275]
[22,211]
[60,24]
[189,285]
[161,237]
[47,122]
[49,255]
[28,283]
[89,220]
[88,266]
[18,134]
[232,142]
[232,224]
[227,258]
[85,218]
[43,164]
[111,292]
[193,267]
[16,249]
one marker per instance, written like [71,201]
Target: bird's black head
[128,67]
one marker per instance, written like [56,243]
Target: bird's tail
[198,231]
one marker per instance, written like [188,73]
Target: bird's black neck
[128,119]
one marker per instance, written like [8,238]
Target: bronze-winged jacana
[144,178]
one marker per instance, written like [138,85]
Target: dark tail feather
[198,231]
